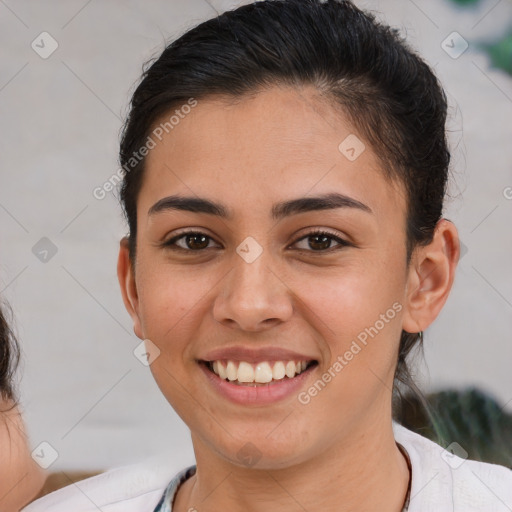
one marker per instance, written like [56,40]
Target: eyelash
[171,243]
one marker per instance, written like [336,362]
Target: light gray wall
[83,391]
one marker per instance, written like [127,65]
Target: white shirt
[441,482]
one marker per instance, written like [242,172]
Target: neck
[365,471]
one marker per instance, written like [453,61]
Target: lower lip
[259,395]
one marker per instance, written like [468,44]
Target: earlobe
[128,286]
[431,276]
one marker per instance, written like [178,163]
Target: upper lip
[255,355]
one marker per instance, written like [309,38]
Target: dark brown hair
[9,358]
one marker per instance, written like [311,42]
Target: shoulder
[444,479]
[134,488]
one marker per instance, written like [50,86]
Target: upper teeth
[260,372]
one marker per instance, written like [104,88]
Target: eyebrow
[329,201]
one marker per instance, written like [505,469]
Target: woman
[285,168]
[20,477]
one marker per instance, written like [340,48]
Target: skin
[338,451]
[20,477]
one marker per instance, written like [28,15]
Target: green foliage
[501,53]
[469,417]
[465,3]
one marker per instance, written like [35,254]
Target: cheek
[168,296]
[347,301]
[173,306]
[358,314]
[20,477]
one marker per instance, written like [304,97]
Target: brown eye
[196,241]
[190,241]
[320,241]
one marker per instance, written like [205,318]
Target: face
[20,477]
[260,285]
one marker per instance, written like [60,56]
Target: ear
[126,276]
[430,277]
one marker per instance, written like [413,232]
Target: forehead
[279,142]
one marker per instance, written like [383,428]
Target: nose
[253,297]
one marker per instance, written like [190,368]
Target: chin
[260,453]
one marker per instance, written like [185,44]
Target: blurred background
[67,70]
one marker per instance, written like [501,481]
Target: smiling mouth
[263,373]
